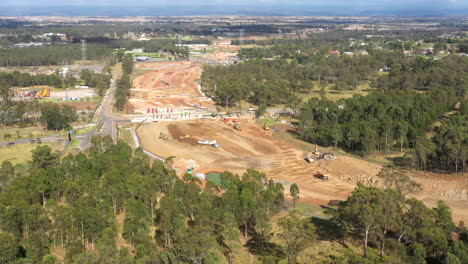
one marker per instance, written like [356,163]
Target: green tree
[294,193]
[194,244]
[8,248]
[297,233]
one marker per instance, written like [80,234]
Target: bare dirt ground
[258,149]
[169,84]
[239,150]
[453,189]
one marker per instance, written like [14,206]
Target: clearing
[253,148]
[20,153]
[168,84]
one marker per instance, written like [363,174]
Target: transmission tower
[83,49]
[179,40]
[241,36]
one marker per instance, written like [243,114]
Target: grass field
[75,143]
[22,152]
[126,135]
[335,95]
[10,134]
[83,130]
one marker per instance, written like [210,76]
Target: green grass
[214,177]
[309,210]
[126,135]
[269,122]
[75,143]
[335,95]
[22,133]
[84,130]
[20,153]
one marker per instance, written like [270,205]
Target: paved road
[106,119]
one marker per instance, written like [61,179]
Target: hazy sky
[256,7]
[362,3]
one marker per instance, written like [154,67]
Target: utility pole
[241,36]
[83,49]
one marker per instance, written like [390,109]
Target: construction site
[183,127]
[172,85]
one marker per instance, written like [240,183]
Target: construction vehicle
[228,121]
[43,93]
[266,127]
[163,136]
[309,157]
[31,93]
[184,136]
[237,126]
[321,176]
[326,156]
[316,152]
[213,143]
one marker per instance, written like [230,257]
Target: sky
[240,6]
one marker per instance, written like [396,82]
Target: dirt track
[169,84]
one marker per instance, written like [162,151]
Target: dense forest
[414,95]
[58,54]
[279,81]
[75,203]
[65,53]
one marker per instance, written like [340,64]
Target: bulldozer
[321,176]
[163,136]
